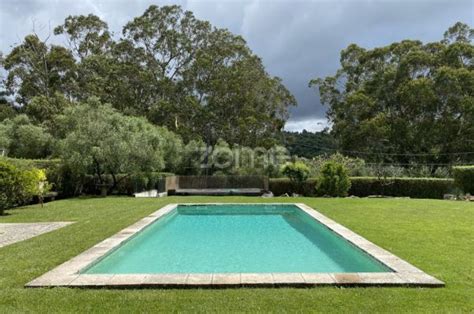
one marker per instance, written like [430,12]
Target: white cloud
[311,125]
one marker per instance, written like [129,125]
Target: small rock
[267,194]
[449,197]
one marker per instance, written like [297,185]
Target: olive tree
[97,139]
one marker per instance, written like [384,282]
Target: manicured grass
[436,236]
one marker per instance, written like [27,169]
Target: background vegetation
[175,94]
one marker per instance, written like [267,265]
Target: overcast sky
[297,39]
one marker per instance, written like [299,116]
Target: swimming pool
[235,244]
[236,239]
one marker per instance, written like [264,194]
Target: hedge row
[126,184]
[365,186]
[409,187]
[281,186]
[68,185]
[464,178]
[222,182]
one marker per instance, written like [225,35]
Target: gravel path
[15,232]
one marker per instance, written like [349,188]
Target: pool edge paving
[68,274]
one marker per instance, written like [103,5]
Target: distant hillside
[308,144]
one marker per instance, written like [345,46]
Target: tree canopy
[405,102]
[21,138]
[168,66]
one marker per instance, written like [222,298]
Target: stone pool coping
[68,274]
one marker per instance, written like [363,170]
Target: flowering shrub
[18,186]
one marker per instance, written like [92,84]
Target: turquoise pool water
[236,239]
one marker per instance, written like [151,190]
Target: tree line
[175,70]
[184,82]
[407,102]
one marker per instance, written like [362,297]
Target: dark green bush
[126,184]
[8,185]
[281,186]
[365,186]
[333,180]
[464,178]
[402,187]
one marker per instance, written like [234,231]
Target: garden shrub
[297,171]
[464,178]
[9,176]
[333,180]
[354,166]
[39,183]
[53,168]
[18,186]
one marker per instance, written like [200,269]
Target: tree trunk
[114,185]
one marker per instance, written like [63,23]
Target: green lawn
[436,236]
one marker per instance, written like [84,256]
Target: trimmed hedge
[365,186]
[126,184]
[222,182]
[402,187]
[464,178]
[280,186]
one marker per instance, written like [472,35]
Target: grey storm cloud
[297,40]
